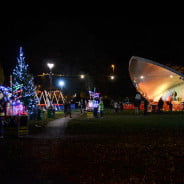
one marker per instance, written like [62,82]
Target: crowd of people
[117,106]
[159,107]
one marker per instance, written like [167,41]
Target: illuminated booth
[13,114]
[154,80]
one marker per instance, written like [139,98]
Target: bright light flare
[113,66]
[50,65]
[61,83]
[112,77]
[82,76]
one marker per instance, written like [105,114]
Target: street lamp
[50,65]
[61,83]
[112,77]
[82,76]
[113,66]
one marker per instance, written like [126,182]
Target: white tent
[154,80]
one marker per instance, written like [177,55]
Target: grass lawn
[128,148]
[127,123]
[121,148]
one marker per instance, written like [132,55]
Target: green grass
[120,148]
[128,123]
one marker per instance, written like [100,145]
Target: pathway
[55,128]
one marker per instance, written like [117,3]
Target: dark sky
[84,43]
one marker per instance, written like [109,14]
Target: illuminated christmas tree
[23,84]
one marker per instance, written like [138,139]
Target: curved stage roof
[154,80]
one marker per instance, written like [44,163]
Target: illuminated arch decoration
[43,97]
[154,80]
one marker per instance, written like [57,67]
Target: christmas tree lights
[23,83]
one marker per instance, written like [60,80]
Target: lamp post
[112,77]
[61,84]
[50,65]
[113,66]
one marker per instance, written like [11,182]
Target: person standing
[69,112]
[121,107]
[145,106]
[160,105]
[137,103]
[95,108]
[101,108]
[116,106]
[170,106]
[169,103]
[81,106]
[65,108]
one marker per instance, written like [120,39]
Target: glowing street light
[61,83]
[113,66]
[82,76]
[50,65]
[112,77]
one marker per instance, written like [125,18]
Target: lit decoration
[9,107]
[4,98]
[22,84]
[93,95]
[93,101]
[56,97]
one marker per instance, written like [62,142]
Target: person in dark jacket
[145,106]
[160,105]
[67,109]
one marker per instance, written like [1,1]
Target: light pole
[113,66]
[61,84]
[112,77]
[50,65]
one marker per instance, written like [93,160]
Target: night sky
[88,44]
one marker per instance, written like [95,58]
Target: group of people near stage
[117,105]
[159,107]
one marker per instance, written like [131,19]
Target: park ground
[121,148]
